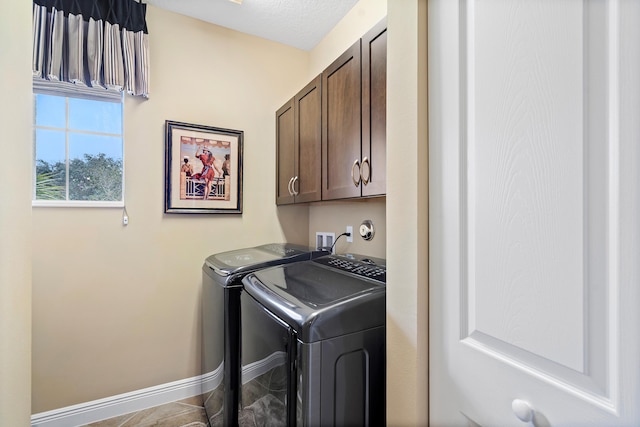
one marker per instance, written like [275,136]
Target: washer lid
[318,301]
[242,261]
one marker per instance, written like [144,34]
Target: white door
[534,153]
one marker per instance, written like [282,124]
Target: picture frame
[197,158]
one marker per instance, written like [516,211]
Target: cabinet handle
[365,181]
[293,185]
[356,182]
[289,187]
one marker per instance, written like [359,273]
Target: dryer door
[268,355]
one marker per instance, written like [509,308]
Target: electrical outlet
[350,231]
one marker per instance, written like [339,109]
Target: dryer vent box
[325,240]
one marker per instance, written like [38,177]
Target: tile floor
[184,413]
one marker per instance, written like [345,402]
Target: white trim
[76,204]
[76,90]
[262,366]
[121,404]
[614,224]
[212,380]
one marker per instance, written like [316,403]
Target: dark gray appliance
[222,275]
[313,343]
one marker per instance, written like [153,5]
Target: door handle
[356,182]
[523,410]
[293,185]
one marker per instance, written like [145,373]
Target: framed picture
[203,169]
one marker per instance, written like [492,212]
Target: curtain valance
[97,43]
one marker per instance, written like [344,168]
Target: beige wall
[407,215]
[116,308]
[335,216]
[364,15]
[15,214]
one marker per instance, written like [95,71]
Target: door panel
[341,136]
[526,181]
[533,170]
[285,146]
[308,110]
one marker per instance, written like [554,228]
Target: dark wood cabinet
[331,137]
[354,119]
[298,146]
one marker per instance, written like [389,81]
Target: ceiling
[298,23]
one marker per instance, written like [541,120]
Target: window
[78,147]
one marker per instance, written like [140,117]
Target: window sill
[75,204]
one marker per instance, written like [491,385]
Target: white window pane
[50,111]
[51,166]
[50,146]
[95,167]
[95,177]
[81,144]
[83,160]
[95,116]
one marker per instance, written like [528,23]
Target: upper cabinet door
[374,111]
[341,134]
[285,153]
[307,184]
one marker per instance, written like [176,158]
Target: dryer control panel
[372,268]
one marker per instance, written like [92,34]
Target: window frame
[70,90]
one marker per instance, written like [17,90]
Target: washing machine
[222,285]
[313,343]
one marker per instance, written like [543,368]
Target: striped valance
[96,43]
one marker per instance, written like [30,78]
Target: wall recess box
[325,240]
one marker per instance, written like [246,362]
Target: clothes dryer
[313,343]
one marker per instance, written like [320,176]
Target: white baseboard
[126,403]
[211,380]
[122,404]
[262,366]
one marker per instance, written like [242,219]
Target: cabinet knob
[356,182]
[522,410]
